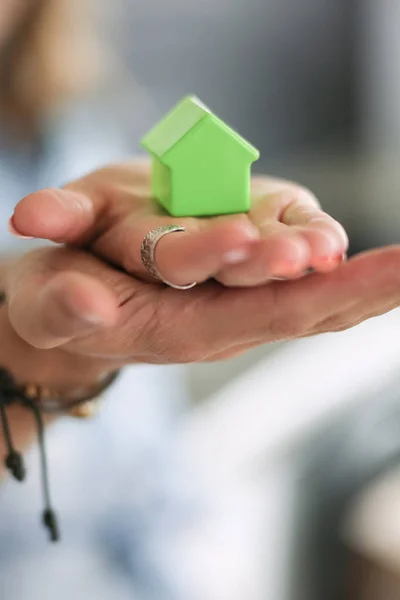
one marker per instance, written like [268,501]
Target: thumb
[69,305]
[58,215]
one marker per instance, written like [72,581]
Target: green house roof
[178,122]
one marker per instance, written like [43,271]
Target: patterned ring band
[147,252]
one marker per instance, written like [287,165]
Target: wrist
[54,368]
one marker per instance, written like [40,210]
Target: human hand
[67,298]
[110,211]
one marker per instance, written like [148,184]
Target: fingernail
[91,319]
[322,219]
[15,233]
[334,259]
[280,278]
[234,257]
[86,320]
[329,259]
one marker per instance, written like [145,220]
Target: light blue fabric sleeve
[115,481]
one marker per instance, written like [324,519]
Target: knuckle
[286,324]
[306,196]
[172,335]
[173,349]
[178,347]
[285,328]
[184,353]
[301,203]
[340,322]
[292,191]
[300,200]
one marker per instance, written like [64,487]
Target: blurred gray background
[280,72]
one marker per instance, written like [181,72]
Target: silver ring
[147,252]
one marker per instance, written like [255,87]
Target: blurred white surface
[243,443]
[276,403]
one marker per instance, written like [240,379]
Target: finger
[47,314]
[369,282]
[294,309]
[353,317]
[58,215]
[281,253]
[326,237]
[89,206]
[296,236]
[298,209]
[85,208]
[182,257]
[194,255]
[80,215]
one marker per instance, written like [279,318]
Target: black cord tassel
[15,464]
[50,521]
[49,518]
[13,461]
[10,393]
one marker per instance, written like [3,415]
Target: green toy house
[200,166]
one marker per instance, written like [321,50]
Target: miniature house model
[200,166]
